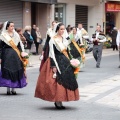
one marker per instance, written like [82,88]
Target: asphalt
[99,94]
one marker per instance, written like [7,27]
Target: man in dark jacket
[34,35]
[113,36]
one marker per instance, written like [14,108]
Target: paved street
[99,91]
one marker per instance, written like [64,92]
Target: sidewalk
[106,52]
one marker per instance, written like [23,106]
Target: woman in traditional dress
[50,33]
[12,74]
[80,51]
[57,82]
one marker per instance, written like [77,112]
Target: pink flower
[75,62]
[24,54]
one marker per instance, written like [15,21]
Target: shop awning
[42,1]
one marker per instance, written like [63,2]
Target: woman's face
[74,30]
[61,30]
[37,29]
[20,32]
[53,24]
[11,27]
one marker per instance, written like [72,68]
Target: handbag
[40,41]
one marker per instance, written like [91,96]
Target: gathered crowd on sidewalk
[62,57]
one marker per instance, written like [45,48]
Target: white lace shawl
[59,46]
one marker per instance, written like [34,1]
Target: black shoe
[8,93]
[97,66]
[13,92]
[63,107]
[58,107]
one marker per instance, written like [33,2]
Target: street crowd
[62,57]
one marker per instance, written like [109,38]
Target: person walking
[98,39]
[34,35]
[57,82]
[50,33]
[113,36]
[69,29]
[12,74]
[118,44]
[83,34]
[74,36]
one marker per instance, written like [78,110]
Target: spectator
[34,35]
[39,39]
[29,39]
[113,36]
[23,39]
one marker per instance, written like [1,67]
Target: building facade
[43,12]
[28,12]
[112,12]
[88,12]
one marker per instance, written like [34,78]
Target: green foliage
[107,44]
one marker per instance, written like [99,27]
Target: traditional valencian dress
[80,52]
[64,87]
[50,33]
[12,69]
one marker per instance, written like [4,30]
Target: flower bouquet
[25,57]
[82,46]
[75,63]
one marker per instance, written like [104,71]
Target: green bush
[107,44]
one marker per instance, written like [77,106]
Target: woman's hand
[54,69]
[81,44]
[98,40]
[0,61]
